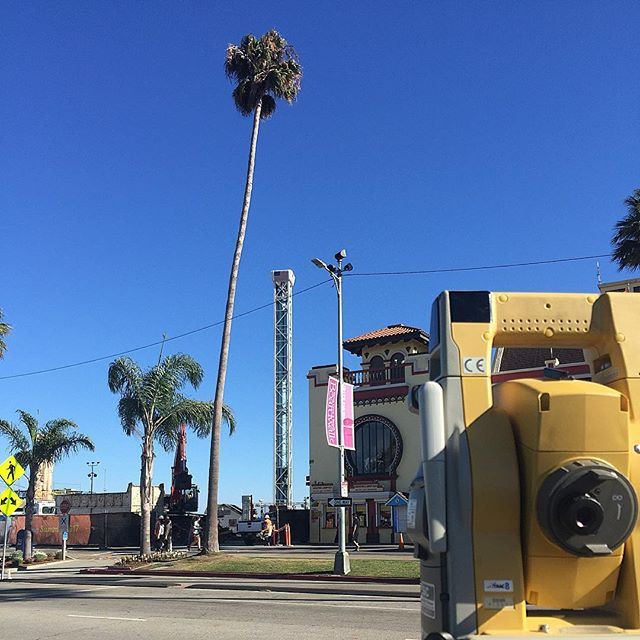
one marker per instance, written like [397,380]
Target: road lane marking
[77,615]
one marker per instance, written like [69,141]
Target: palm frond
[626,240]
[30,422]
[131,413]
[124,374]
[57,440]
[4,331]
[229,417]
[60,424]
[268,107]
[18,442]
[184,369]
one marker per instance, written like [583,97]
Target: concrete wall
[101,530]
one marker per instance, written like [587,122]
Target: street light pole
[341,564]
[92,475]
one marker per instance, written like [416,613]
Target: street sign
[65,506]
[65,535]
[9,501]
[344,489]
[10,470]
[63,523]
[339,502]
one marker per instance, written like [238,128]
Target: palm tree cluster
[35,446]
[152,407]
[265,69]
[626,240]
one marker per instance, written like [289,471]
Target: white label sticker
[498,602]
[473,366]
[428,599]
[498,586]
[412,508]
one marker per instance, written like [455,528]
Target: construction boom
[282,390]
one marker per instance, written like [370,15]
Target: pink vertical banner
[330,417]
[347,417]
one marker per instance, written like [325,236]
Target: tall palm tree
[626,241]
[40,446]
[152,407]
[4,330]
[265,69]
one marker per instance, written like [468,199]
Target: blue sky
[427,135]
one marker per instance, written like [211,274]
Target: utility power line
[297,293]
[152,344]
[481,268]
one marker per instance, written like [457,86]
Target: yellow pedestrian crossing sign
[10,470]
[9,501]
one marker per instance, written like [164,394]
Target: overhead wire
[480,268]
[319,284]
[157,342]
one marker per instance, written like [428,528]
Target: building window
[397,367]
[330,518]
[378,447]
[385,517]
[361,511]
[376,370]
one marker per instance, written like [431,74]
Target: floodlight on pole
[91,475]
[341,565]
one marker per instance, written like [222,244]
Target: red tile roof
[392,333]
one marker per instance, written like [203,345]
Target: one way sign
[339,502]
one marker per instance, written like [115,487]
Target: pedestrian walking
[158,534]
[167,543]
[353,531]
[194,534]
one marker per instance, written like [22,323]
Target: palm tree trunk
[211,544]
[29,508]
[146,475]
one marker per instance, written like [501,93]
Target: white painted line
[74,615]
[334,604]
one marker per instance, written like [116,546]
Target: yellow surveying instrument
[524,511]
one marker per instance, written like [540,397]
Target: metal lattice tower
[282,389]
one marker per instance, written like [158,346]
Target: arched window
[376,370]
[378,447]
[397,367]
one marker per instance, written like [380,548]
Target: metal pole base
[341,564]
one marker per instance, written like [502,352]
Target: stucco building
[387,437]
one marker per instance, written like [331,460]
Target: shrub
[39,556]
[58,555]
[156,556]
[17,557]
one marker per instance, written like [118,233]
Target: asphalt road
[62,605]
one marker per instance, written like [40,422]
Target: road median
[261,568]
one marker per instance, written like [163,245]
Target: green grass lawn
[231,563]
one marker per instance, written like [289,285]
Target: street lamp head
[319,263]
[341,255]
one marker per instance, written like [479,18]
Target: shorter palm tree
[4,331]
[152,407]
[35,446]
[626,240]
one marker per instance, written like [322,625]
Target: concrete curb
[40,565]
[315,577]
